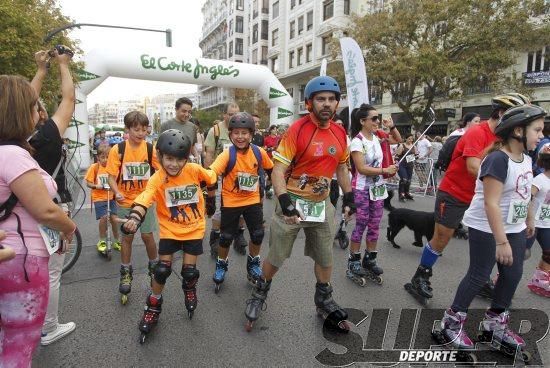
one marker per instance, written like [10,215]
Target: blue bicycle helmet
[115,140]
[322,83]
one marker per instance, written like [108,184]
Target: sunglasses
[373,118]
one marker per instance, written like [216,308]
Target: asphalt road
[288,333]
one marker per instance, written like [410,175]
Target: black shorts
[253,216]
[449,211]
[171,246]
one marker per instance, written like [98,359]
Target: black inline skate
[190,277]
[341,235]
[125,286]
[153,307]
[256,304]
[420,286]
[372,269]
[355,271]
[329,310]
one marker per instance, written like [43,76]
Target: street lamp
[51,34]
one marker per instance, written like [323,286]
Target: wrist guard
[210,205]
[287,206]
[349,201]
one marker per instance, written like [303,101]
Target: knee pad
[226,239]
[190,276]
[257,236]
[163,271]
[546,256]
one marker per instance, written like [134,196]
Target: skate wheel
[217,288]
[526,356]
[379,280]
[248,326]
[344,326]
[344,243]
[124,299]
[362,281]
[142,338]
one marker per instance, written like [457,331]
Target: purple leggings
[22,308]
[368,216]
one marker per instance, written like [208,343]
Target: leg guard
[190,276]
[225,240]
[163,270]
[257,236]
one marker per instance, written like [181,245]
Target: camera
[60,50]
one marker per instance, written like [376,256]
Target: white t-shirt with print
[542,201]
[517,178]
[372,151]
[423,147]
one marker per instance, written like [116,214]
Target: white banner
[356,76]
[323,70]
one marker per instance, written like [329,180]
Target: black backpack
[446,154]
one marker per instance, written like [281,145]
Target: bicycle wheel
[74,251]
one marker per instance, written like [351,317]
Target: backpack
[446,153]
[122,149]
[258,154]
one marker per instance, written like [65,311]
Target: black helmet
[517,117]
[242,120]
[509,100]
[174,143]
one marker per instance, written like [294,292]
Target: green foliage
[422,51]
[23,26]
[207,117]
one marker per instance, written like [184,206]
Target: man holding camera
[48,142]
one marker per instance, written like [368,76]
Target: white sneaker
[61,330]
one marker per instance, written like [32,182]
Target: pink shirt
[14,162]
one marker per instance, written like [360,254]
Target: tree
[249,101]
[422,51]
[24,23]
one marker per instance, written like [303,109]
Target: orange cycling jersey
[180,202]
[312,155]
[97,174]
[241,186]
[134,171]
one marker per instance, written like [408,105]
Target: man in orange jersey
[310,152]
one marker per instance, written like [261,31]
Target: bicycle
[75,248]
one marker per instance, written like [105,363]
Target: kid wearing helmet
[455,193]
[540,282]
[241,167]
[498,218]
[180,210]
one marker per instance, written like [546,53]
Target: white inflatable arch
[170,65]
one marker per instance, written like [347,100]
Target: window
[292,4]
[238,46]
[328,9]
[301,89]
[300,25]
[346,7]
[309,49]
[539,61]
[255,33]
[275,10]
[275,64]
[231,27]
[275,37]
[265,29]
[309,20]
[230,50]
[240,4]
[255,56]
[291,59]
[324,44]
[292,29]
[263,61]
[299,57]
[239,24]
[265,6]
[290,92]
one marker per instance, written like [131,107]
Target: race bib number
[517,212]
[410,158]
[136,171]
[543,214]
[378,192]
[312,211]
[102,179]
[52,238]
[178,196]
[248,182]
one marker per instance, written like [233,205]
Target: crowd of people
[175,184]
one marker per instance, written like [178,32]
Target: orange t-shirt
[241,186]
[312,154]
[180,202]
[134,171]
[97,174]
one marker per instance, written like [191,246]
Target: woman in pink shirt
[28,190]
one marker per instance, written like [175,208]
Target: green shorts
[319,237]
[149,223]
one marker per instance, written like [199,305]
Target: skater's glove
[349,201]
[210,206]
[133,224]
[287,207]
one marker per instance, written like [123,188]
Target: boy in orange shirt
[130,165]
[242,166]
[97,179]
[180,210]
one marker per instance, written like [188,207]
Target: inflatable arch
[169,65]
